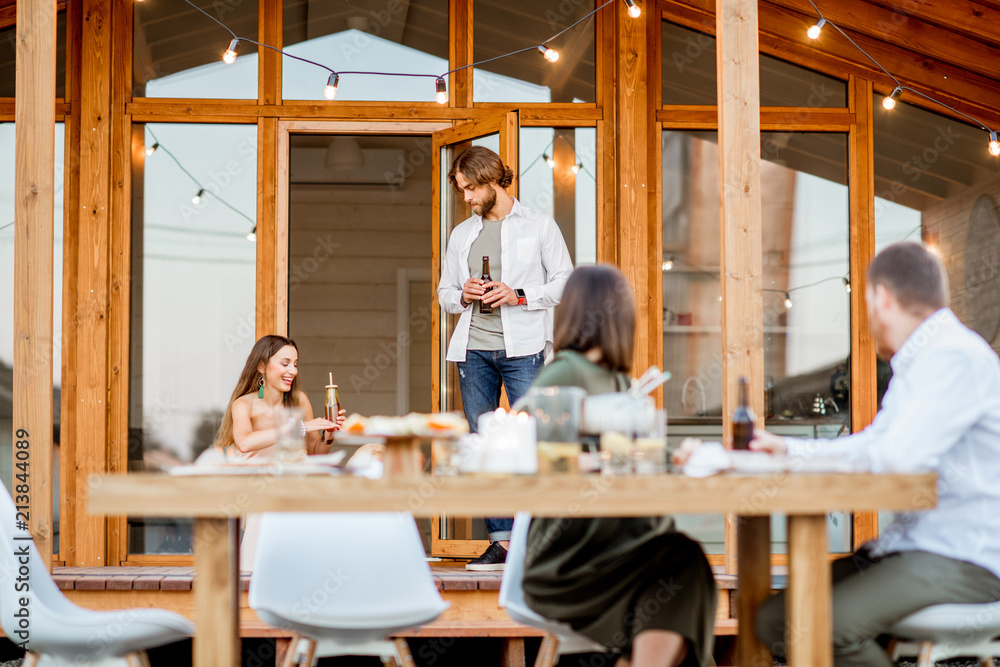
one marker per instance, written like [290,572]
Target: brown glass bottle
[743,420]
[485,307]
[331,408]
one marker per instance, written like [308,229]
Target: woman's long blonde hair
[262,351]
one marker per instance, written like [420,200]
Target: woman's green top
[574,565]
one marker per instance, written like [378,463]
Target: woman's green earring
[260,387]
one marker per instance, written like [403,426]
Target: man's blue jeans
[479,378]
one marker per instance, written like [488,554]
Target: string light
[549,160]
[788,301]
[252,236]
[550,54]
[890,102]
[576,167]
[668,264]
[330,91]
[197,198]
[847,284]
[201,189]
[815,30]
[152,149]
[229,57]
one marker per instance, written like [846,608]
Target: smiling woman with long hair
[270,378]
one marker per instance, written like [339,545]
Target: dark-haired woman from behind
[635,585]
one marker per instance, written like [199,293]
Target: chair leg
[924,657]
[513,652]
[308,658]
[547,656]
[137,659]
[403,649]
[283,647]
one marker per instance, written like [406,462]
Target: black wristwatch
[522,300]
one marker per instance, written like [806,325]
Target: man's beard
[486,205]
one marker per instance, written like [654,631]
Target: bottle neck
[743,394]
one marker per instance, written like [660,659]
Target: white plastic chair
[343,582]
[560,638]
[949,631]
[59,633]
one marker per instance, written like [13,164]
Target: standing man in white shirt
[941,413]
[529,265]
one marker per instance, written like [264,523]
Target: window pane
[936,182]
[177,51]
[366,35]
[805,254]
[502,27]
[7,425]
[566,190]
[689,75]
[193,293]
[8,41]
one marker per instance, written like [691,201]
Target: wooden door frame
[507,126]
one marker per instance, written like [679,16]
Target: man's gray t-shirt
[486,332]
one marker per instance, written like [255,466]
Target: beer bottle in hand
[485,307]
[743,420]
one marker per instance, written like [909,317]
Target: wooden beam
[34,208]
[738,105]
[269,31]
[861,177]
[216,590]
[92,306]
[272,229]
[71,204]
[632,128]
[809,609]
[753,585]
[460,28]
[967,17]
[654,201]
[607,161]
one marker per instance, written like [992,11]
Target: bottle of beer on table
[485,307]
[332,405]
[743,420]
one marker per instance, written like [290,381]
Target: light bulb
[668,264]
[633,9]
[890,102]
[229,57]
[994,145]
[331,86]
[788,301]
[252,236]
[550,54]
[847,284]
[576,168]
[549,161]
[815,30]
[152,149]
[197,198]
[442,91]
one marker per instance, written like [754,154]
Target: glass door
[459,537]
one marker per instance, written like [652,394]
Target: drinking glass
[291,443]
[651,447]
[557,419]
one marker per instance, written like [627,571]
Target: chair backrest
[342,570]
[23,574]
[511,591]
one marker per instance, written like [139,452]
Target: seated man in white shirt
[941,413]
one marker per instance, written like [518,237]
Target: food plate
[312,465]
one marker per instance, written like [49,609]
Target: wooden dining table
[217,501]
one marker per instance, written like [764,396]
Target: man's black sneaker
[492,559]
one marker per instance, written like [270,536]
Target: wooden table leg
[512,652]
[753,548]
[809,611]
[216,593]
